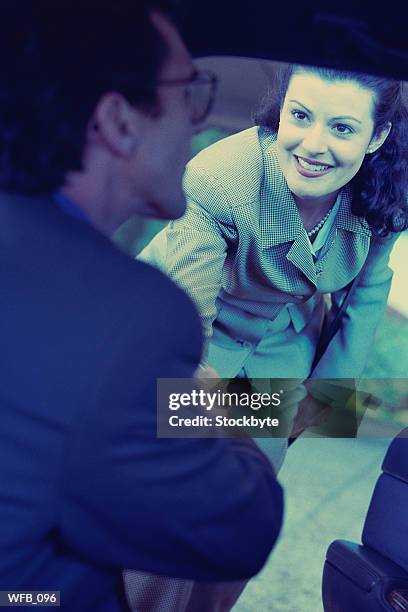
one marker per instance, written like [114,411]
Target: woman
[282,213]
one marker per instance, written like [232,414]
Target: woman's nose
[315,140]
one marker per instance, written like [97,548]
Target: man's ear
[377,141]
[115,124]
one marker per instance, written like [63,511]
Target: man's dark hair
[57,58]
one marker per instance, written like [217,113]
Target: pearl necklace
[319,225]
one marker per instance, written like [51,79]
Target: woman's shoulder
[232,166]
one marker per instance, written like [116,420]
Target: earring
[370,150]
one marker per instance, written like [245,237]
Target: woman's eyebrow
[348,117]
[300,104]
[342,117]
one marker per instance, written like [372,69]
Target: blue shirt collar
[70,207]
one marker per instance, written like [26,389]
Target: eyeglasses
[200,91]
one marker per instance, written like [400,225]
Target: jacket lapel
[301,257]
[348,243]
[279,219]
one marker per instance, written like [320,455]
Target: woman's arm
[326,405]
[196,251]
[347,353]
[192,250]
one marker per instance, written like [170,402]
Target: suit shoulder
[156,286]
[163,302]
[230,169]
[83,270]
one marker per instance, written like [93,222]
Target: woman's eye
[342,129]
[299,115]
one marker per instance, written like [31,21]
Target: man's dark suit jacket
[86,488]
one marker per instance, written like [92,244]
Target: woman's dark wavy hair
[57,58]
[380,187]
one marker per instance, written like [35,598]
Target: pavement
[328,486]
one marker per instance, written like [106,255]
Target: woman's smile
[311,169]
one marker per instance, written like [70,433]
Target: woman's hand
[311,412]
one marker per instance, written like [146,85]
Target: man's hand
[206,372]
[210,381]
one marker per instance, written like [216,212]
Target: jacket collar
[279,219]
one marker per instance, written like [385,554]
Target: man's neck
[95,204]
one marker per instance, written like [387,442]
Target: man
[95,127]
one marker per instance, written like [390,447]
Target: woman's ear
[378,140]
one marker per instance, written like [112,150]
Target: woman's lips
[311,173]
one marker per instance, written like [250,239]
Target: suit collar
[345,219]
[69,206]
[21,208]
[279,219]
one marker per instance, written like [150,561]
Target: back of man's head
[57,58]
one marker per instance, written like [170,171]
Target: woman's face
[324,132]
